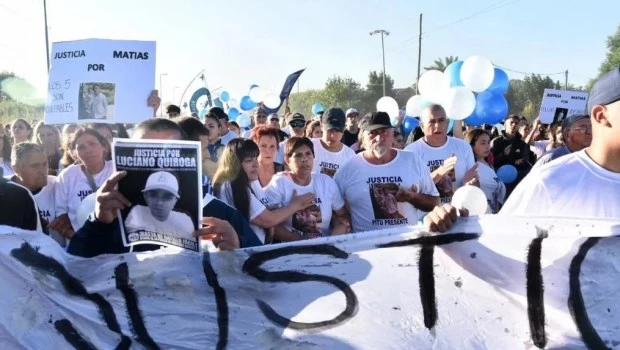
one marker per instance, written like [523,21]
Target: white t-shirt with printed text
[46,201]
[258,204]
[73,187]
[327,162]
[493,188]
[434,157]
[570,186]
[371,190]
[313,221]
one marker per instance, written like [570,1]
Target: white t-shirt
[371,190]
[227,137]
[313,221]
[46,202]
[492,186]
[570,186]
[540,147]
[177,224]
[327,162]
[280,154]
[73,187]
[258,204]
[433,158]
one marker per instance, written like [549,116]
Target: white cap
[162,180]
[350,110]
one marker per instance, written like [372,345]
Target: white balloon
[432,85]
[471,198]
[459,102]
[244,121]
[414,106]
[232,103]
[272,101]
[477,73]
[388,105]
[257,94]
[86,207]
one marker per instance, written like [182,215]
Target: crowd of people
[290,177]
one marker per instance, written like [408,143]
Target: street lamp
[382,32]
[161,94]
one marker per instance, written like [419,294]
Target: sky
[243,42]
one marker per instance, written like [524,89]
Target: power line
[488,9]
[17,13]
[529,73]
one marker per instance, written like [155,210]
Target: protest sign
[559,104]
[100,81]
[497,282]
[163,183]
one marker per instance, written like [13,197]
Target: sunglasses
[297,124]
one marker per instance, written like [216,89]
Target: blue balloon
[246,103]
[507,173]
[451,125]
[474,120]
[244,121]
[233,113]
[409,124]
[224,96]
[500,82]
[453,72]
[490,107]
[317,108]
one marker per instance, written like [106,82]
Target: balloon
[224,96]
[202,113]
[451,125]
[244,121]
[500,82]
[257,94]
[453,73]
[415,105]
[86,207]
[409,124]
[232,103]
[474,120]
[246,103]
[471,198]
[507,173]
[389,105]
[317,108]
[432,85]
[477,73]
[233,113]
[459,102]
[491,108]
[272,101]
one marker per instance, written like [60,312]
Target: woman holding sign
[80,180]
[236,183]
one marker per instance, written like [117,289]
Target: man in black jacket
[222,224]
[18,208]
[510,149]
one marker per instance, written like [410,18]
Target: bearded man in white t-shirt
[449,159]
[382,186]
[329,152]
[582,184]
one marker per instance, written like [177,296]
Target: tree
[374,90]
[526,95]
[440,64]
[612,58]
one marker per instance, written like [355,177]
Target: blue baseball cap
[606,90]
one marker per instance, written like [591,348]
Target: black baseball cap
[378,120]
[334,119]
[219,113]
[606,90]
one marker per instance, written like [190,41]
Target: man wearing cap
[450,160]
[385,187]
[161,194]
[297,127]
[351,130]
[582,184]
[259,117]
[576,134]
[329,153]
[173,111]
[225,134]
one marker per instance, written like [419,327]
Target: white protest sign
[100,81]
[559,104]
[499,283]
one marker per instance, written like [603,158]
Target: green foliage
[525,96]
[612,58]
[11,109]
[441,64]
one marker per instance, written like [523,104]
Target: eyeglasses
[583,129]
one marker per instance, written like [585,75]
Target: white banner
[497,283]
[559,104]
[100,81]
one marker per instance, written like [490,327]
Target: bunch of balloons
[471,90]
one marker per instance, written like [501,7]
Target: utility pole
[161,94]
[47,43]
[419,55]
[566,80]
[382,32]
